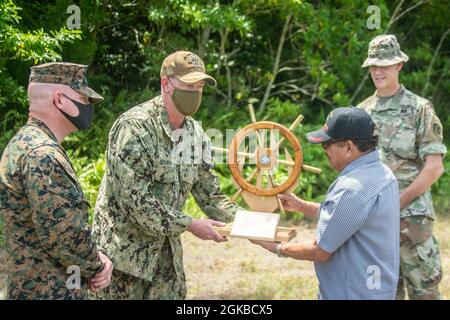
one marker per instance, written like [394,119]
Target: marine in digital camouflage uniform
[151,170]
[409,131]
[44,210]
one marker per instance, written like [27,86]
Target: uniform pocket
[428,249]
[415,230]
[429,264]
[165,174]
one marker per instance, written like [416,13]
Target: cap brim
[384,62]
[318,136]
[93,96]
[196,76]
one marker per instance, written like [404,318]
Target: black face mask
[85,116]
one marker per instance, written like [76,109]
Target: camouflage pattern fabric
[419,259]
[151,169]
[384,50]
[71,74]
[166,285]
[46,218]
[409,130]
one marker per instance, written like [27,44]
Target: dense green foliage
[282,56]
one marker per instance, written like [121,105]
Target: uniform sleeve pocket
[64,183]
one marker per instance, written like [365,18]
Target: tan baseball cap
[187,67]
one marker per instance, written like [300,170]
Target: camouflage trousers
[127,287]
[165,285]
[420,262]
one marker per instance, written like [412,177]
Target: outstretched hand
[290,202]
[204,229]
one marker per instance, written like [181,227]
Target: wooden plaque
[284,234]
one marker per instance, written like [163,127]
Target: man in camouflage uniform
[50,251]
[156,156]
[411,145]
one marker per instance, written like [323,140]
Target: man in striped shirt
[356,248]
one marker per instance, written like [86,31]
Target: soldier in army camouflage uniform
[45,213]
[411,145]
[156,156]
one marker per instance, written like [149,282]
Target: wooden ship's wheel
[263,173]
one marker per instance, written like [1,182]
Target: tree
[25,48]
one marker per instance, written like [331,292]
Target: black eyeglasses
[328,143]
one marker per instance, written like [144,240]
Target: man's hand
[270,246]
[204,229]
[290,202]
[430,173]
[103,278]
[293,203]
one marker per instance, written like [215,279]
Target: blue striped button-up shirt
[359,223]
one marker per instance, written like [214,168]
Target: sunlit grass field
[241,270]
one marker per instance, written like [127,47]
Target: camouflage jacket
[151,169]
[46,218]
[408,129]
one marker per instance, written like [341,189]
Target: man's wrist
[303,206]
[280,251]
[404,199]
[188,223]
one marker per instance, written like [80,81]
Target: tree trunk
[276,66]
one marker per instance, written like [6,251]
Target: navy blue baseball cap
[344,123]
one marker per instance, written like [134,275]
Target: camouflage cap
[69,74]
[384,51]
[185,66]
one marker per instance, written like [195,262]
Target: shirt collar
[393,102]
[41,125]
[365,159]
